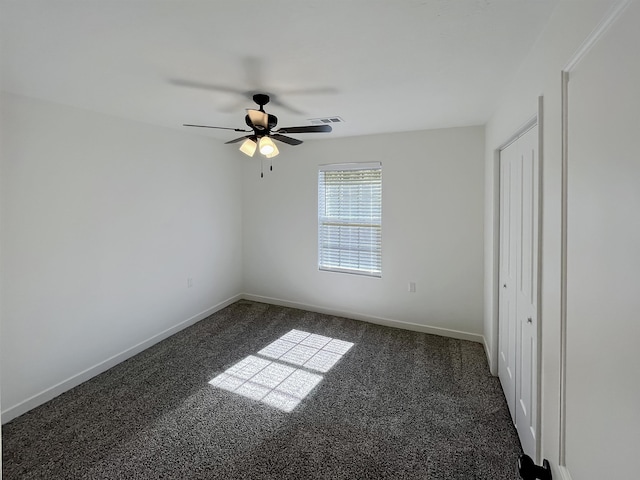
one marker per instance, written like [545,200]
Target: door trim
[539,455]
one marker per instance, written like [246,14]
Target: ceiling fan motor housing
[272,121]
[261,99]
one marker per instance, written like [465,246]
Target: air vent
[326,120]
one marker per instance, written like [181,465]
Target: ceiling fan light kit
[274,153]
[267,147]
[249,147]
[263,126]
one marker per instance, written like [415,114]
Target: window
[350,218]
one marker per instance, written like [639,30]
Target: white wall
[432,231]
[103,221]
[540,74]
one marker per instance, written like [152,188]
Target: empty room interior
[337,239]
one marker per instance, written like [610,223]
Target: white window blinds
[350,218]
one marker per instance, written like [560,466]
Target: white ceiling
[383,66]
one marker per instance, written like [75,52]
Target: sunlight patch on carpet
[315,352]
[282,383]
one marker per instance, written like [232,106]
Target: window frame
[372,228]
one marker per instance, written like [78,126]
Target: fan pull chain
[271,166]
[261,168]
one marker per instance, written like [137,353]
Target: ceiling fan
[263,130]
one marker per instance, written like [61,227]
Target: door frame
[534,120]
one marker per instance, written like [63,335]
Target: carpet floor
[258,391]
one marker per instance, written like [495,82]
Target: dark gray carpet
[397,405]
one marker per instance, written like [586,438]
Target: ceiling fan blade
[239,139]
[276,101]
[306,129]
[204,86]
[220,128]
[289,140]
[310,91]
[258,118]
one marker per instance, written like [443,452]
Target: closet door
[510,167]
[518,322]
[527,295]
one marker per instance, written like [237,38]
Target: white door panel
[518,323]
[602,396]
[509,228]
[526,345]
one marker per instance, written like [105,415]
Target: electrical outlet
[412,287]
[189,282]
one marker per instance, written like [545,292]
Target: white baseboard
[52,392]
[416,327]
[492,368]
[564,473]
